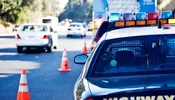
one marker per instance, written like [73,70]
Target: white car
[40,36]
[76,29]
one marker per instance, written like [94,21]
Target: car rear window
[35,28]
[136,56]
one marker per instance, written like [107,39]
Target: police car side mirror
[80,59]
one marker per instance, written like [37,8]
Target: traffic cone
[23,93]
[84,50]
[64,63]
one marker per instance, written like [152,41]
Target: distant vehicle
[52,20]
[128,16]
[129,64]
[89,26]
[76,29]
[16,28]
[40,36]
[63,26]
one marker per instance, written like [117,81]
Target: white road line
[4,76]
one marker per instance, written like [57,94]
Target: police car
[134,62]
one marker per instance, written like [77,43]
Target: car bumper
[76,33]
[32,43]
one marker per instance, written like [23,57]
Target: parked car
[76,29]
[40,36]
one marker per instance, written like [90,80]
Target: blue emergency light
[114,17]
[141,16]
[166,14]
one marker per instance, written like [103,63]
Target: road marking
[4,76]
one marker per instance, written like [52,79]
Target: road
[45,82]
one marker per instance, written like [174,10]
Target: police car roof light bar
[148,22]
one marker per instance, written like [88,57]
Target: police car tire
[19,49]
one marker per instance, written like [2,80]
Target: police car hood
[131,84]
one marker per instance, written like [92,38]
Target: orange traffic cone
[23,93]
[64,63]
[84,50]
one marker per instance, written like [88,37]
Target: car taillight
[90,99]
[45,37]
[17,36]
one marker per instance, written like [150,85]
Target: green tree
[77,11]
[20,11]
[9,9]
[50,8]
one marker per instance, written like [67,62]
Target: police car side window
[137,56]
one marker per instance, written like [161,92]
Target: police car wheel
[19,49]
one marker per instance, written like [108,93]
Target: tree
[9,9]
[20,11]
[50,8]
[77,11]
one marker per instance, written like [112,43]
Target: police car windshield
[136,56]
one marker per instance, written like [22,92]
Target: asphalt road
[44,80]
